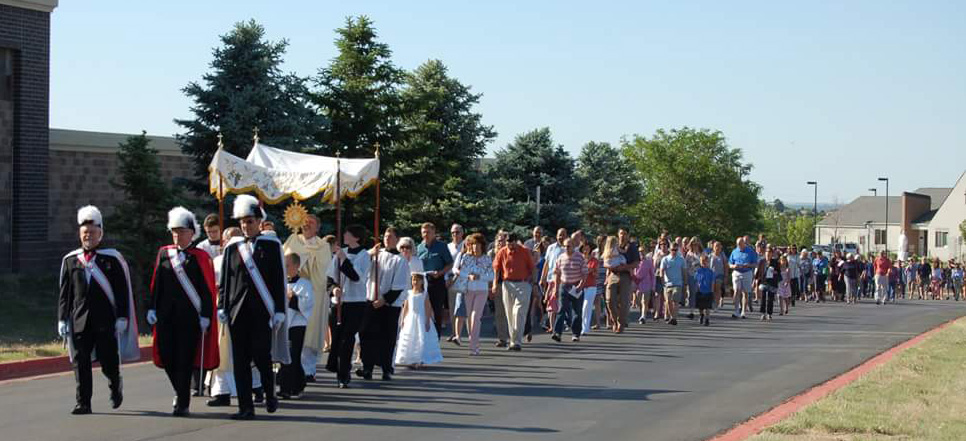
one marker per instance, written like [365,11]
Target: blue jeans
[692,292]
[570,311]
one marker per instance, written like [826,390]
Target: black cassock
[85,306]
[380,326]
[251,335]
[178,330]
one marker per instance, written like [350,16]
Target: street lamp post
[815,208]
[874,192]
[885,238]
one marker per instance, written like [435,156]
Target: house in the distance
[940,234]
[864,220]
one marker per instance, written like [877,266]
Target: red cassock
[211,335]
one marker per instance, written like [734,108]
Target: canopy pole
[338,231]
[376,230]
[221,193]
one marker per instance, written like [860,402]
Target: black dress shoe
[343,385]
[219,401]
[364,374]
[180,412]
[81,409]
[244,415]
[271,404]
[386,376]
[259,395]
[310,378]
[117,395]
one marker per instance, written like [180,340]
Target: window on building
[942,239]
[880,237]
[6,74]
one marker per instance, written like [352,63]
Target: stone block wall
[27,33]
[78,178]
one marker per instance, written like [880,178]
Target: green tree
[694,184]
[779,205]
[531,160]
[245,89]
[137,225]
[611,188]
[358,92]
[801,231]
[445,141]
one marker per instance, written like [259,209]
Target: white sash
[91,269]
[246,255]
[177,264]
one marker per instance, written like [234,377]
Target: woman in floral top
[474,274]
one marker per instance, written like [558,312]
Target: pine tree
[358,92]
[137,226]
[611,188]
[532,160]
[245,89]
[444,146]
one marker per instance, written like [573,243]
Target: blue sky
[839,92]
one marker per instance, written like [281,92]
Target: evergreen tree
[532,160]
[245,89]
[443,148]
[358,92]
[611,188]
[137,226]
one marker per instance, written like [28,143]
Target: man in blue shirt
[437,261]
[821,273]
[674,271]
[743,261]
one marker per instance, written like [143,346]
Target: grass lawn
[28,318]
[918,395]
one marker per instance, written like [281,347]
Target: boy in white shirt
[299,301]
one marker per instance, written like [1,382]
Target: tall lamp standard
[874,192]
[815,208]
[885,239]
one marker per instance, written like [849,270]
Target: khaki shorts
[674,293]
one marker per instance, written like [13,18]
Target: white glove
[205,322]
[62,328]
[120,325]
[222,316]
[152,317]
[278,319]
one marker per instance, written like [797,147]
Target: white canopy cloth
[276,174]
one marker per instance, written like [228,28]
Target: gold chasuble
[316,256]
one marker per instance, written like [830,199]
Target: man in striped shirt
[569,275]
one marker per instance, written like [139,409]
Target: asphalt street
[654,382]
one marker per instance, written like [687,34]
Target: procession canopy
[275,174]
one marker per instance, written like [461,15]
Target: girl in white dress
[418,342]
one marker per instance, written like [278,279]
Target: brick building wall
[82,166]
[913,206]
[6,182]
[26,32]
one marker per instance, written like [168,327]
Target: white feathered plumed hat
[246,205]
[90,214]
[180,217]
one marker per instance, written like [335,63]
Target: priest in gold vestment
[316,256]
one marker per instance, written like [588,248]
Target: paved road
[654,382]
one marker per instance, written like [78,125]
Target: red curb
[758,423]
[44,366]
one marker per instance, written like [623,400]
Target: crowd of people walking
[226,309]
